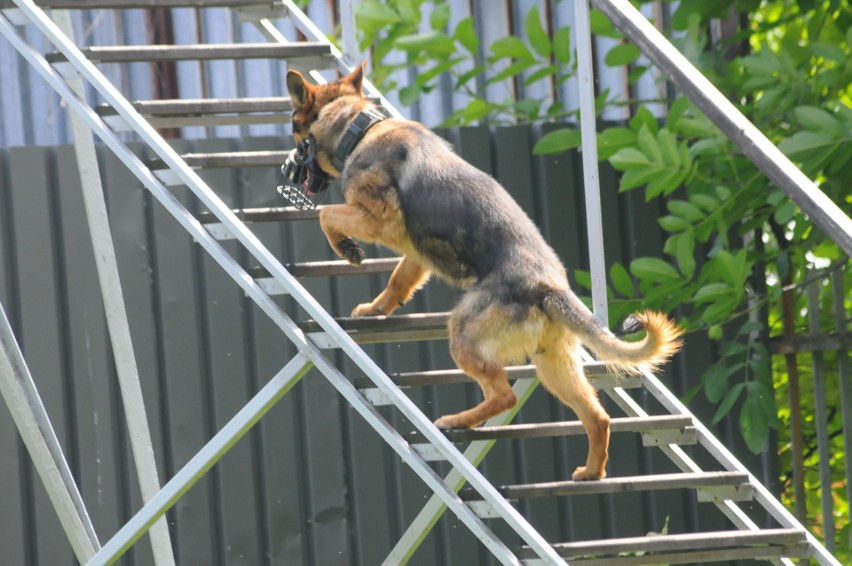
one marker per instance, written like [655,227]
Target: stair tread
[333,267]
[279,213]
[564,428]
[131,53]
[271,158]
[128,4]
[355,325]
[616,485]
[690,542]
[173,107]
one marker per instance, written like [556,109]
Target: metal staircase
[465,491]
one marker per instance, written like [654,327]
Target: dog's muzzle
[305,182]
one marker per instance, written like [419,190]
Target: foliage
[734,239]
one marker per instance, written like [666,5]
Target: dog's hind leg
[406,279]
[561,373]
[492,378]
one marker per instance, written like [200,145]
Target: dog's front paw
[584,474]
[367,309]
[449,422]
[350,251]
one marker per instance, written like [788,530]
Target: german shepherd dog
[406,189]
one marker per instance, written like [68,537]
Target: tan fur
[405,188]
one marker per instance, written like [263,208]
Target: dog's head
[308,100]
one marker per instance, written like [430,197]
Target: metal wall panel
[312,484]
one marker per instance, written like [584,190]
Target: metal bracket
[219,232]
[718,494]
[428,452]
[271,286]
[684,436]
[376,397]
[483,509]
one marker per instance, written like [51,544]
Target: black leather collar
[363,122]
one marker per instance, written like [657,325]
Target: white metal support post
[591,180]
[116,315]
[21,396]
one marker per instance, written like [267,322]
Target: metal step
[128,4]
[138,53]
[396,328]
[177,113]
[736,482]
[230,159]
[654,424]
[714,546]
[334,267]
[272,214]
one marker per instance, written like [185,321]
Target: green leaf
[562,45]
[673,224]
[628,158]
[785,212]
[622,54]
[817,119]
[716,382]
[557,141]
[754,425]
[712,292]
[668,146]
[648,142]
[643,117]
[511,47]
[409,94]
[621,280]
[510,71]
[431,41]
[728,403]
[600,25]
[685,210]
[653,269]
[547,71]
[536,33]
[583,278]
[611,140]
[638,177]
[375,14]
[439,17]
[667,181]
[685,253]
[466,35]
[706,202]
[720,309]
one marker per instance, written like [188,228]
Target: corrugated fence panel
[31,113]
[312,484]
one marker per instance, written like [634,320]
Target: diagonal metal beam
[21,396]
[195,469]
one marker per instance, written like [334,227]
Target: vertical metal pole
[821,422]
[116,315]
[591,179]
[28,412]
[351,54]
[845,380]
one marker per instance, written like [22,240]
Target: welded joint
[720,493]
[429,452]
[219,231]
[322,340]
[483,509]
[251,14]
[117,123]
[683,436]
[168,177]
[271,286]
[376,397]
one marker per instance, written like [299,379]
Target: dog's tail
[661,341]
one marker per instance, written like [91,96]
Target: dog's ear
[301,91]
[356,77]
